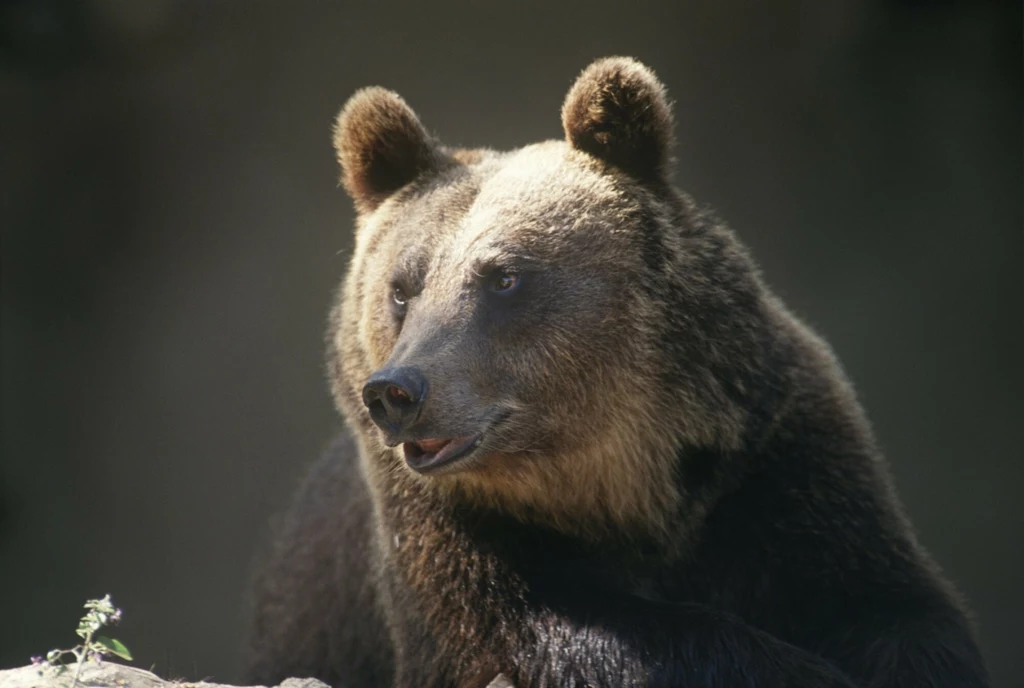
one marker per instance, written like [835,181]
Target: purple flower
[37,659]
[96,657]
[116,616]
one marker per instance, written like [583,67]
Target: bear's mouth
[428,455]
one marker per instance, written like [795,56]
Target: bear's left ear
[618,111]
[381,146]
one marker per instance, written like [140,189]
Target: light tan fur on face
[599,434]
[618,480]
[610,465]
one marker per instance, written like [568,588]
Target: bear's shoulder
[308,610]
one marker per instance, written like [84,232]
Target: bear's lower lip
[426,456]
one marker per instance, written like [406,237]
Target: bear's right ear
[381,146]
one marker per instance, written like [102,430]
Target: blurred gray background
[172,232]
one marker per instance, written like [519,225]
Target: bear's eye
[502,282]
[399,296]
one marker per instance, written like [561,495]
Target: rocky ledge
[111,675]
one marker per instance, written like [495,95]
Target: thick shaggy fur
[676,485]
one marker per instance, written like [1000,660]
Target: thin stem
[82,657]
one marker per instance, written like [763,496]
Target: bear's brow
[410,267]
[506,258]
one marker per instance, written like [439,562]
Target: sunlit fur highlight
[615,473]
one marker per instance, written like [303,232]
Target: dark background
[173,231]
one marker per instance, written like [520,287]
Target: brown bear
[587,445]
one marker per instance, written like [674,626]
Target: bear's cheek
[555,364]
[384,336]
[378,329]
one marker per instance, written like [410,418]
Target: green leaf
[114,646]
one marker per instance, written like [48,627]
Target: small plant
[93,647]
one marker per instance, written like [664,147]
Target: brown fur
[676,484]
[625,484]
[617,111]
[381,146]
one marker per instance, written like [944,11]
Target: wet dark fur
[782,558]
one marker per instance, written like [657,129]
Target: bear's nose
[395,397]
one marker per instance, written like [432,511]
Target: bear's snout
[395,397]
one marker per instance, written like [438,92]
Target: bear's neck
[425,520]
[436,540]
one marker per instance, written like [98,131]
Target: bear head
[548,330]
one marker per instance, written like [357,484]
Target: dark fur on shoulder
[665,478]
[318,610]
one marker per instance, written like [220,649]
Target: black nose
[394,397]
